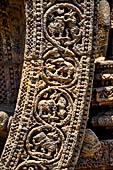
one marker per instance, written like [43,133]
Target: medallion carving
[48,127]
[59,68]
[54,106]
[44,144]
[63,27]
[63,24]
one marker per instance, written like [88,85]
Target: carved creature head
[3,121]
[62,102]
[91,144]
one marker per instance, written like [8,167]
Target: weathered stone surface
[91,144]
[53,103]
[103,119]
[49,129]
[103,28]
[100,160]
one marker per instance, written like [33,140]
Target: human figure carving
[62,105]
[60,69]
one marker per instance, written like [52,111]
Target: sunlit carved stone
[103,28]
[63,38]
[4,118]
[91,144]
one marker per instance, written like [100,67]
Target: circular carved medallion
[45,143]
[62,24]
[54,106]
[61,69]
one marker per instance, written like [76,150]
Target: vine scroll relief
[51,115]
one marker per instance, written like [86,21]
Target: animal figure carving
[48,143]
[44,106]
[60,69]
[56,27]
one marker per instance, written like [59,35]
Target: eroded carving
[30,165]
[63,24]
[60,68]
[54,106]
[3,122]
[52,109]
[44,144]
[91,144]
[103,28]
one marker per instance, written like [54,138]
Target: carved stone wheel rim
[36,155]
[68,98]
[26,117]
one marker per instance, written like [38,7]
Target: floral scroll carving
[48,129]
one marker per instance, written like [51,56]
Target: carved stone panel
[48,127]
